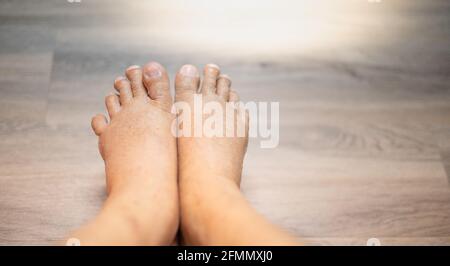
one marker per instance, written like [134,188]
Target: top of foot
[214,156]
[140,152]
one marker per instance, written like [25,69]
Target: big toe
[187,80]
[157,84]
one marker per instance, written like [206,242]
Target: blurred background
[363,86]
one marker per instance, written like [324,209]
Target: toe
[157,83]
[223,87]
[123,86]
[211,73]
[134,74]
[187,79]
[234,96]
[244,116]
[112,104]
[99,123]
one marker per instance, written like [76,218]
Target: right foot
[207,165]
[140,155]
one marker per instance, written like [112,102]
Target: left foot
[209,167]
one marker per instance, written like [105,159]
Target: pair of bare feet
[158,183]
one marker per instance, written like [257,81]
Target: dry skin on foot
[218,156]
[143,161]
[140,162]
[213,210]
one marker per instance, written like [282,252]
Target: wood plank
[364,149]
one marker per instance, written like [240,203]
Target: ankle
[199,195]
[137,212]
[206,183]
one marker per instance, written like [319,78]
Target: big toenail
[189,71]
[152,72]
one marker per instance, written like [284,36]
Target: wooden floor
[365,126]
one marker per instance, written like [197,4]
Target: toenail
[213,66]
[152,72]
[225,77]
[189,71]
[132,67]
[119,79]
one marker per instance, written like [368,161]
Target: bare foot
[213,209]
[140,157]
[207,164]
[217,156]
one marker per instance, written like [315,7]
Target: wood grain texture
[364,128]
